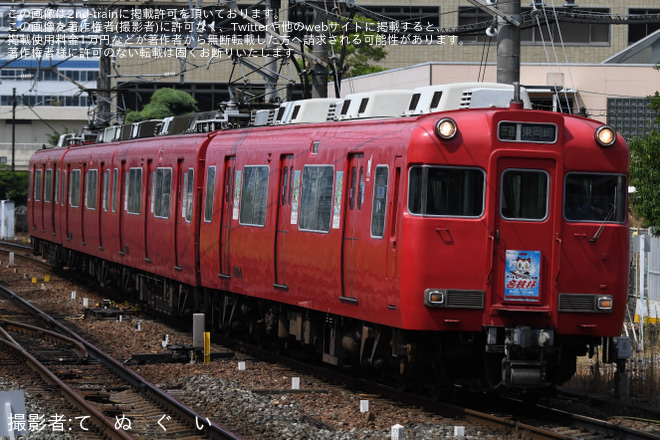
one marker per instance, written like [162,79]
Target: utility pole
[508,43]
[320,70]
[13,131]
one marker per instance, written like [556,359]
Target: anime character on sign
[522,276]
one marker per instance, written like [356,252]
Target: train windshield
[595,197]
[446,191]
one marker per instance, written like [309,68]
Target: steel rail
[209,428]
[98,417]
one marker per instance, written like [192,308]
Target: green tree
[645,173]
[13,185]
[164,102]
[360,46]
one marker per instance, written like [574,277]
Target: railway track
[112,399]
[515,421]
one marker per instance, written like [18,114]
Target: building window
[254,195]
[470,16]
[631,117]
[570,32]
[638,31]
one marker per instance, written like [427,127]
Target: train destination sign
[527,132]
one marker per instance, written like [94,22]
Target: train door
[147,210]
[226,215]
[48,197]
[121,191]
[524,233]
[178,209]
[283,219]
[394,200]
[104,186]
[354,216]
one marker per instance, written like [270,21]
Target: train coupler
[523,373]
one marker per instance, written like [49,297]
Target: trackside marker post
[397,432]
[241,366]
[364,406]
[295,383]
[459,431]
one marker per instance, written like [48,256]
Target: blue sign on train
[522,276]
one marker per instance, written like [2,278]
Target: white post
[8,419]
[642,296]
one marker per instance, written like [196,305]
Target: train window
[188,186]
[360,199]
[285,185]
[115,186]
[57,187]
[446,191]
[30,185]
[91,188]
[161,192]
[351,191]
[210,192]
[106,190]
[37,185]
[379,202]
[48,185]
[254,195]
[133,191]
[524,195]
[595,197]
[316,198]
[74,189]
[63,188]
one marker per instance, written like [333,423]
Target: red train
[487,246]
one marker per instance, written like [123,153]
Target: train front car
[515,245]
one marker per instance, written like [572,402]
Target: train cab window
[133,191]
[106,190]
[524,195]
[446,191]
[91,188]
[161,192]
[316,198]
[210,192]
[188,187]
[48,186]
[595,197]
[37,185]
[74,189]
[379,204]
[254,195]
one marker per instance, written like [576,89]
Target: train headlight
[446,128]
[434,297]
[604,303]
[605,136]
